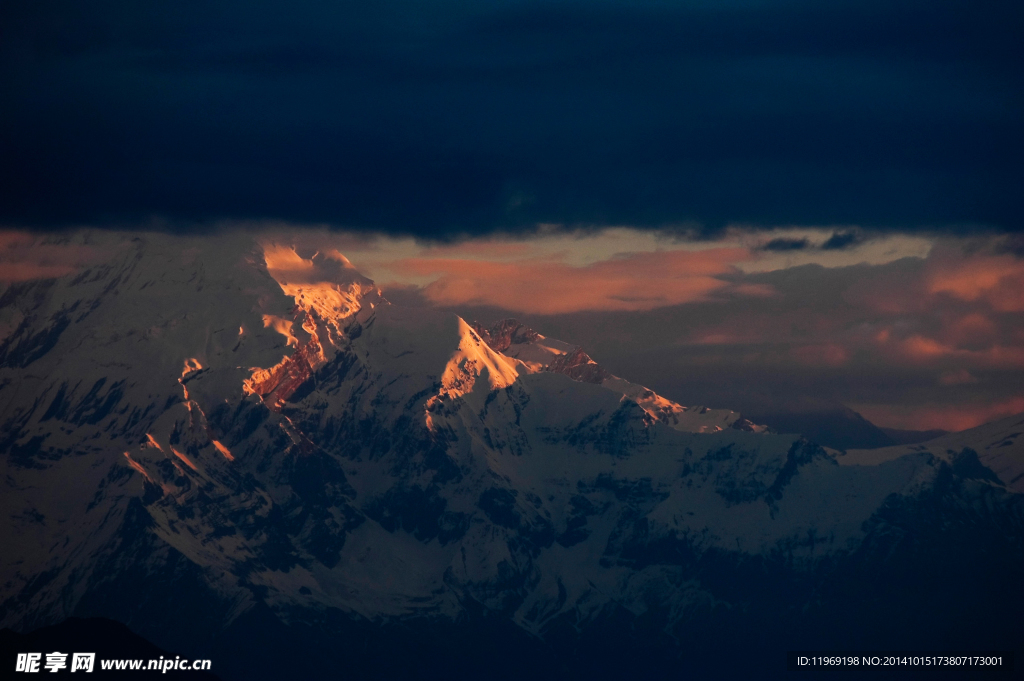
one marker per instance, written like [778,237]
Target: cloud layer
[638,281]
[25,256]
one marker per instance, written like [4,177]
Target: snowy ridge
[473,360]
[997,445]
[539,353]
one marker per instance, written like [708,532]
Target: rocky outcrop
[502,334]
[578,366]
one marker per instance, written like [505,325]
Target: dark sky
[437,118]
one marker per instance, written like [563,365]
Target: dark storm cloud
[444,117]
[783,244]
[841,240]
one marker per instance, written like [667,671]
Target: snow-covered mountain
[997,445]
[538,353]
[228,444]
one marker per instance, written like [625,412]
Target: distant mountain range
[840,428]
[245,453]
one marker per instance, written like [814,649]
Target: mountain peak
[473,360]
[329,295]
[538,353]
[325,284]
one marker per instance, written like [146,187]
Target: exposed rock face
[329,296]
[504,333]
[278,383]
[393,483]
[578,366]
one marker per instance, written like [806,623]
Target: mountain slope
[225,443]
[539,353]
[997,446]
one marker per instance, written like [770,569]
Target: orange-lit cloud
[923,349]
[974,327]
[286,265]
[995,279]
[638,281]
[25,257]
[940,416]
[893,290]
[27,271]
